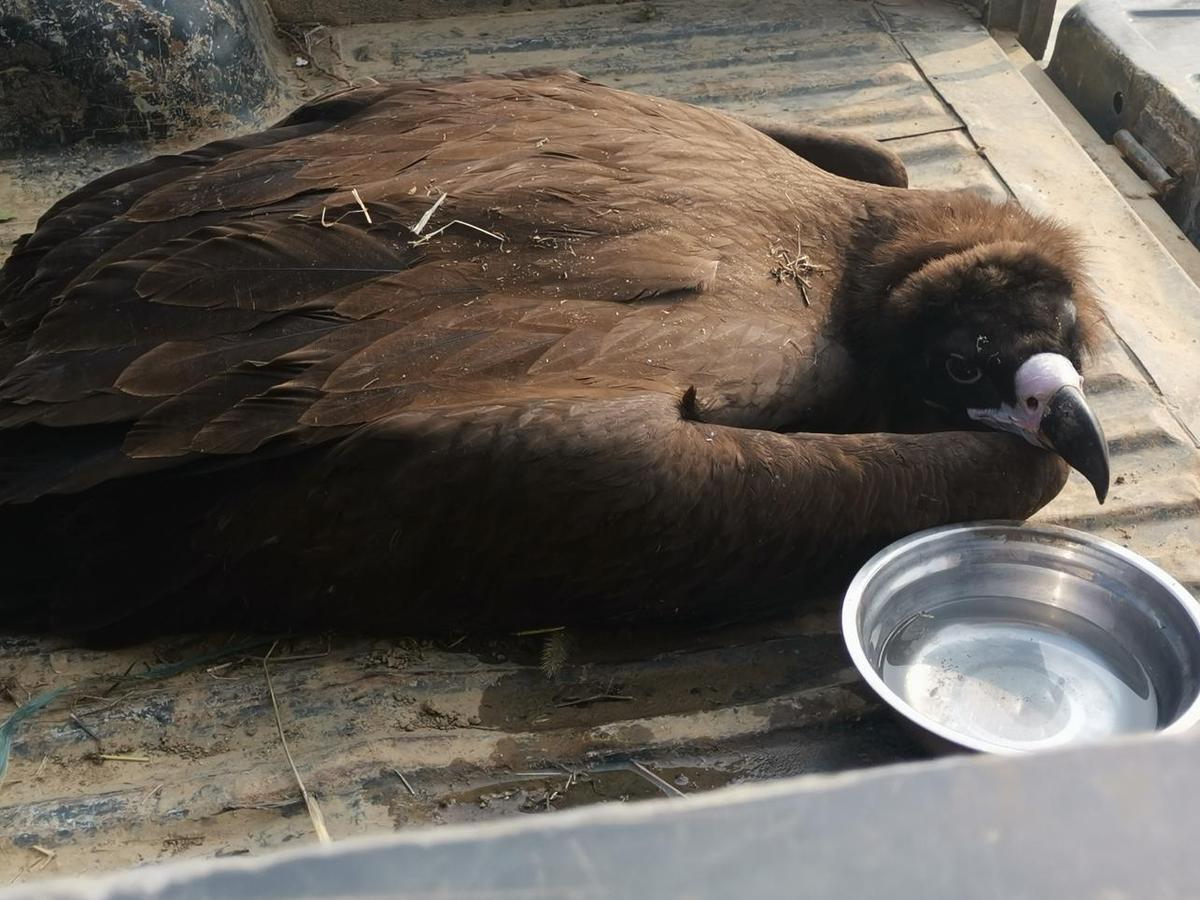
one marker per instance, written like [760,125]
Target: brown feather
[225,386]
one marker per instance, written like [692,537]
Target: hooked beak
[1059,420]
[1071,429]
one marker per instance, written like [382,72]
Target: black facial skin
[974,365]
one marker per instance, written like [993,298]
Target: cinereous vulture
[513,351]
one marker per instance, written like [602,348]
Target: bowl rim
[852,602]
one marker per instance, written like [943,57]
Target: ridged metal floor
[391,733]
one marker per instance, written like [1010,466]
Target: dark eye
[962,371]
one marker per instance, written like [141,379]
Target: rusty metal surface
[391,733]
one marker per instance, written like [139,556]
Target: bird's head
[992,325]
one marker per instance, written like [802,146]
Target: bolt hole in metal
[1011,638]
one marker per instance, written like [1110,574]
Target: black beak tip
[1072,430]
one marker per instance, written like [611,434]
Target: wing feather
[195,310]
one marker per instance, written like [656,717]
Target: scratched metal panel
[828,63]
[392,733]
[1007,828]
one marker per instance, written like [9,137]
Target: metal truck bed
[170,748]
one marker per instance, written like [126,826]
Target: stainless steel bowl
[1005,637]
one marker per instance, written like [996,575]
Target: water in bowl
[999,670]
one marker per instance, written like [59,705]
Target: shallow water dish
[1007,637]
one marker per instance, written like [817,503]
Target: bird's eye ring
[962,371]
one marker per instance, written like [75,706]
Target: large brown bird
[516,350]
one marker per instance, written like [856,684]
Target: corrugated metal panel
[461,723]
[832,64]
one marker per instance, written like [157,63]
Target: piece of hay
[404,781]
[595,698]
[795,266]
[424,220]
[427,238]
[366,212]
[310,802]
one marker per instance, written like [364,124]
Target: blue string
[8,729]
